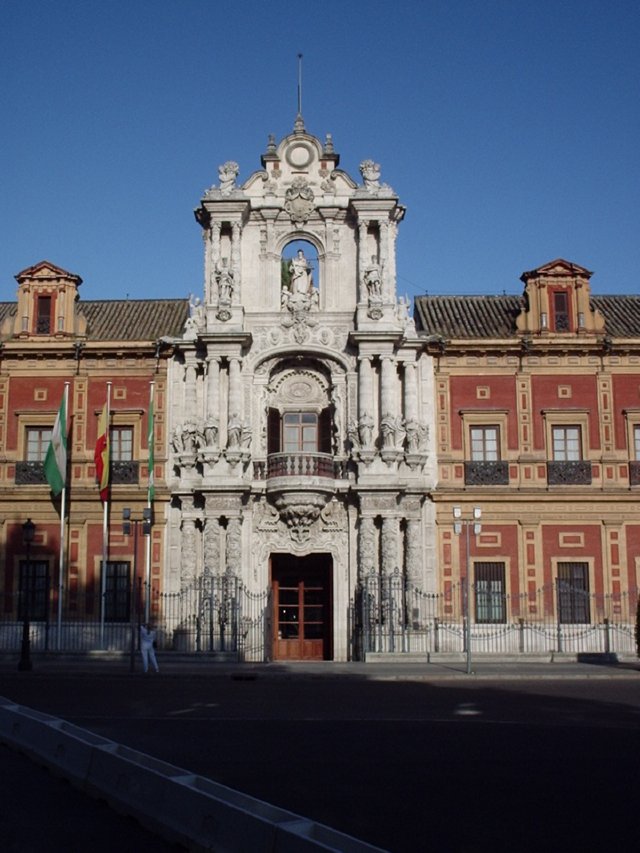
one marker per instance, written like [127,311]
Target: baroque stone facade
[301,414]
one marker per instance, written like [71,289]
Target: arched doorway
[302,607]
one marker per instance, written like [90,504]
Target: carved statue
[227,174]
[224,278]
[353,435]
[301,281]
[370,172]
[176,440]
[388,427]
[234,431]
[372,280]
[211,429]
[189,437]
[245,435]
[365,429]
[412,428]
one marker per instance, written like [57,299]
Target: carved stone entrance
[302,607]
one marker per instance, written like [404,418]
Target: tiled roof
[134,319]
[126,319]
[454,317]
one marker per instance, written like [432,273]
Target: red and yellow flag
[101,455]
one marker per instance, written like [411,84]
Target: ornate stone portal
[301,415]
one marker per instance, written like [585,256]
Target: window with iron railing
[573,593]
[490,592]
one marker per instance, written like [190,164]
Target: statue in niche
[224,279]
[353,436]
[388,427]
[365,429]
[211,430]
[227,174]
[373,280]
[370,172]
[412,429]
[301,278]
[234,431]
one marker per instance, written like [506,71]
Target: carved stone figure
[227,174]
[412,428]
[234,431]
[388,427]
[211,429]
[372,280]
[245,436]
[370,172]
[353,435]
[301,280]
[365,429]
[224,279]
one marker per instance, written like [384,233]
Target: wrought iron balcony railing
[576,473]
[30,474]
[486,473]
[301,465]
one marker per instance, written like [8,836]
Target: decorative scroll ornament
[299,201]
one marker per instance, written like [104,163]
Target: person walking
[147,650]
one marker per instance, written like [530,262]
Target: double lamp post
[469,523]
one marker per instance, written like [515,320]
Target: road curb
[180,806]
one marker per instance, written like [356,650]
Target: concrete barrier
[183,807]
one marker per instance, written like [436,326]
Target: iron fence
[393,616]
[215,614]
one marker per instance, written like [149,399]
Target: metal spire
[299,123]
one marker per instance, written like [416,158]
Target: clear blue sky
[510,129]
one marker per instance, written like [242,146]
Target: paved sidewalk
[449,667]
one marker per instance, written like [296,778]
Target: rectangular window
[490,592]
[38,440]
[33,594]
[43,316]
[573,593]
[485,444]
[117,593]
[300,432]
[121,444]
[567,444]
[561,311]
[636,442]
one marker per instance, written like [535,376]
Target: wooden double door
[302,611]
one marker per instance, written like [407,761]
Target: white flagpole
[63,504]
[105,533]
[147,599]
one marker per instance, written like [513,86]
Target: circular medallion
[299,155]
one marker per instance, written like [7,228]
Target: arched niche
[299,272]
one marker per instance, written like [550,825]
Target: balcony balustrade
[634,473]
[301,465]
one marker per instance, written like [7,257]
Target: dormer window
[43,315]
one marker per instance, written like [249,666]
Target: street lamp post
[458,523]
[24,664]
[127,521]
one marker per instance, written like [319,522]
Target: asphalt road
[460,766]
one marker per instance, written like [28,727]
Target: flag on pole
[151,490]
[55,461]
[101,455]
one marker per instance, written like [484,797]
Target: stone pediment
[46,271]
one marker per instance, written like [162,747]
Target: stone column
[212,296]
[190,396]
[363,226]
[236,231]
[233,555]
[188,550]
[212,547]
[365,401]
[367,564]
[235,394]
[389,545]
[413,551]
[384,261]
[213,388]
[410,392]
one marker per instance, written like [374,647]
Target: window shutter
[273,431]
[324,429]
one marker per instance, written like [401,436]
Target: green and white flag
[55,462]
